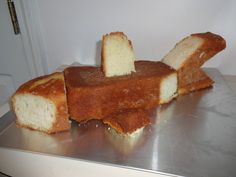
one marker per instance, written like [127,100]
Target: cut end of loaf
[34,112]
[168,88]
[41,104]
[117,55]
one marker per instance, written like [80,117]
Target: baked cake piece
[91,95]
[117,55]
[41,104]
[194,81]
[129,121]
[125,131]
[189,55]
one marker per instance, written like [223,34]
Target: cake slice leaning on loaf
[41,104]
[91,95]
[189,55]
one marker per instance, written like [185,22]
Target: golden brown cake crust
[190,76]
[91,95]
[200,80]
[128,121]
[50,87]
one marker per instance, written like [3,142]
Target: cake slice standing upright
[117,55]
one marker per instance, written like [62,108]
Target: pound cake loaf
[41,104]
[117,57]
[91,95]
[189,55]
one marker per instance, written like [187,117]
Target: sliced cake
[40,104]
[189,55]
[117,55]
[91,95]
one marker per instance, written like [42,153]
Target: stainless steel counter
[194,135]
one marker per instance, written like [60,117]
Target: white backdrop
[73,28]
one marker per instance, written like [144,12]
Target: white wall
[73,28]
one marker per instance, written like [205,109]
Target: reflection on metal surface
[195,135]
[125,144]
